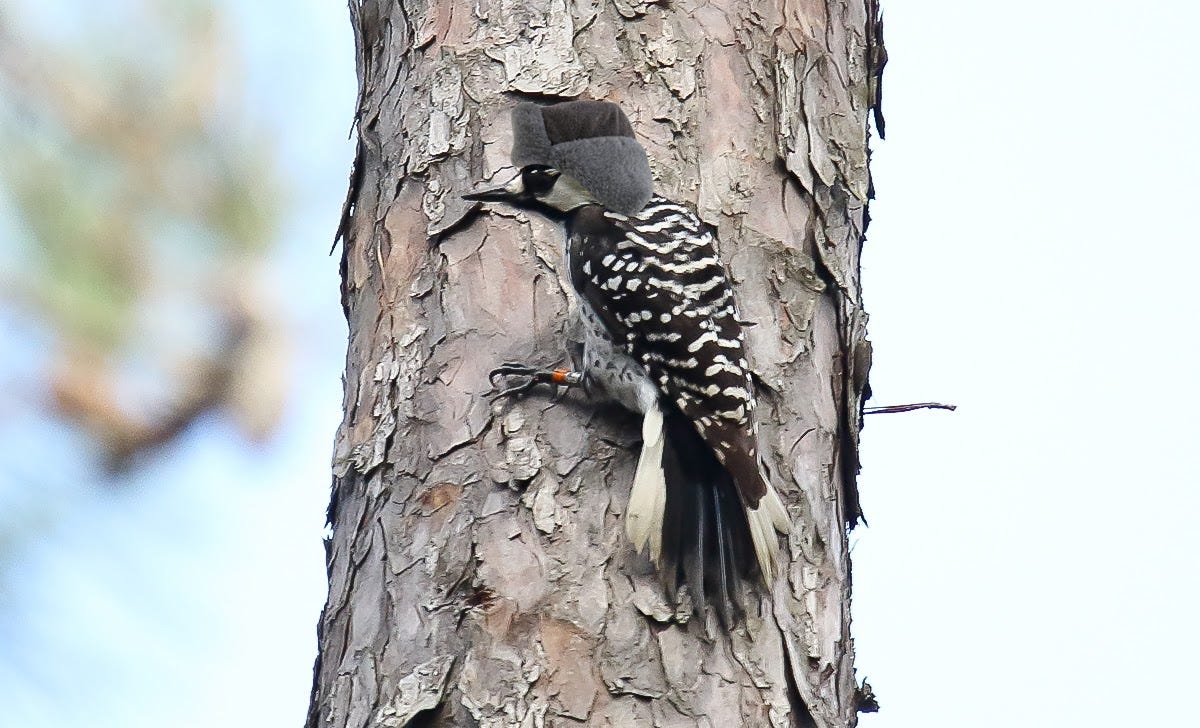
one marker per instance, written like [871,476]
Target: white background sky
[1031,559]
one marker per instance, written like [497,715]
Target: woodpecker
[662,338]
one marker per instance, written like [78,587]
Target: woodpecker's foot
[531,377]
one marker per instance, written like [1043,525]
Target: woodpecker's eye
[538,179]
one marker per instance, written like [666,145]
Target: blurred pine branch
[146,207]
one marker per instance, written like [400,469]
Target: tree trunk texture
[478,565]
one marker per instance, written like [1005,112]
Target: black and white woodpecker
[662,338]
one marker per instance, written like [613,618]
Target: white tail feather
[648,497]
[770,516]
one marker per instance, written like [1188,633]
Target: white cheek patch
[516,186]
[567,194]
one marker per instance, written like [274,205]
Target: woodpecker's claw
[533,377]
[514,369]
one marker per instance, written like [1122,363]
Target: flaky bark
[479,572]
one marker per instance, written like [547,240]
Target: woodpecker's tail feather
[764,520]
[707,536]
[648,497]
[685,506]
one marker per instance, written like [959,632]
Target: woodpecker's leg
[532,376]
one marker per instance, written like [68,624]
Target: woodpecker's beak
[495,194]
[511,192]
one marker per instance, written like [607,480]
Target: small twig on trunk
[890,409]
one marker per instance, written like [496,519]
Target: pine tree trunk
[479,572]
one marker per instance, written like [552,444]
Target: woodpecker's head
[573,154]
[539,186]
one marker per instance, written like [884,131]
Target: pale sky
[1030,559]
